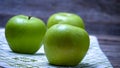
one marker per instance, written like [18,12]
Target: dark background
[102,18]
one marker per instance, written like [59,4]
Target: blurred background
[101,17]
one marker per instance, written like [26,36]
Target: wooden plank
[115,63]
[113,55]
[110,44]
[111,38]
[110,48]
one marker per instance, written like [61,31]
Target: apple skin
[24,34]
[65,45]
[65,18]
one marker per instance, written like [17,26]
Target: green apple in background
[65,44]
[24,34]
[65,18]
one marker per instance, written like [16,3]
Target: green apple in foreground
[65,18]
[65,44]
[24,34]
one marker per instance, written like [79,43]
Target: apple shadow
[85,65]
[39,54]
[11,52]
[81,65]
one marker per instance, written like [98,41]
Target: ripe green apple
[24,34]
[65,18]
[65,44]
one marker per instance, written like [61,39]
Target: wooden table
[111,47]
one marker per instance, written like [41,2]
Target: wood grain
[111,47]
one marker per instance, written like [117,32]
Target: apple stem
[29,17]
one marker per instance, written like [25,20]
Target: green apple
[65,18]
[24,34]
[65,44]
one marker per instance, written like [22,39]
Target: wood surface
[111,47]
